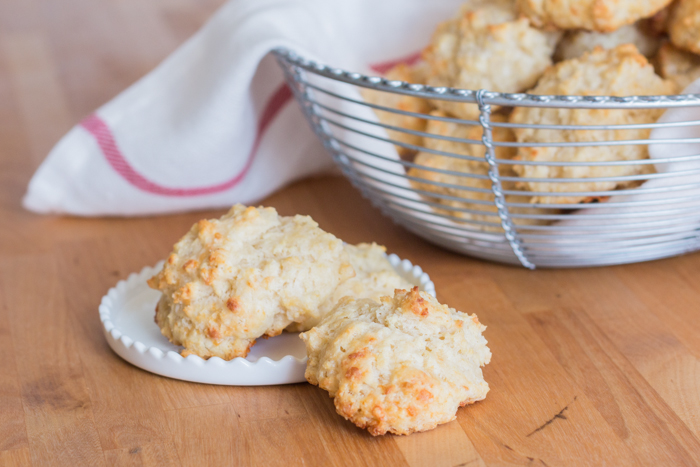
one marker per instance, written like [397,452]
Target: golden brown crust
[249,274]
[594,15]
[617,72]
[400,365]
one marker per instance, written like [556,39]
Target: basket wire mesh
[489,215]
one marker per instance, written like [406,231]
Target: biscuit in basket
[678,65]
[246,275]
[474,186]
[620,71]
[594,15]
[374,277]
[410,74]
[684,25]
[403,364]
[577,42]
[487,46]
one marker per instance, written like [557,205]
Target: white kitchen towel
[214,124]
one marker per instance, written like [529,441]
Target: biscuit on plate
[487,46]
[403,364]
[246,275]
[594,15]
[410,74]
[684,25]
[621,71]
[577,42]
[678,65]
[374,277]
[481,200]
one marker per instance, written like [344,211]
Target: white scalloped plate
[127,317]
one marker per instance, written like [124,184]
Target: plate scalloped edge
[263,371]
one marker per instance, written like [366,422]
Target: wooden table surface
[590,367]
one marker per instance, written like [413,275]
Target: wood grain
[590,366]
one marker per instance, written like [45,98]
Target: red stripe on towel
[105,140]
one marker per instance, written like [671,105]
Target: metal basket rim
[489,97]
[644,235]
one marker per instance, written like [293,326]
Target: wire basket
[652,211]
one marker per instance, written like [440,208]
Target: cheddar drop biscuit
[249,274]
[402,364]
[487,46]
[621,71]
